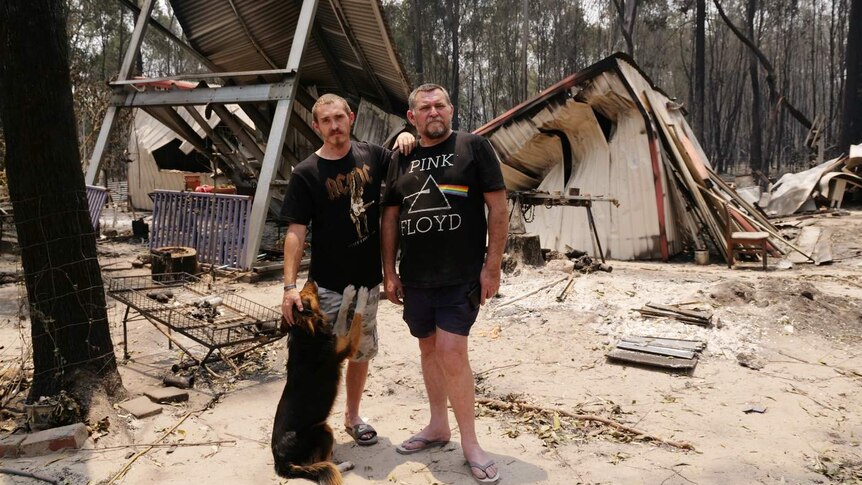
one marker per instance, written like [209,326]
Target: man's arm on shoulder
[294,242]
[405,143]
[498,229]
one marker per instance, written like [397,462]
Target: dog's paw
[361,301]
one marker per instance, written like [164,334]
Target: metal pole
[111,114]
[594,231]
[277,134]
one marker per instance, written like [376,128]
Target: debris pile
[586,264]
[207,308]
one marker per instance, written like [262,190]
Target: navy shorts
[448,308]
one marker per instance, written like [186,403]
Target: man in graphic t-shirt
[337,191]
[434,204]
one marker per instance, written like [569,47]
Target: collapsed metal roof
[609,131]
[350,51]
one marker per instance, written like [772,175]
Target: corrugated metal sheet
[617,166]
[216,225]
[257,35]
[148,135]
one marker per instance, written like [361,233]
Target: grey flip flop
[426,444]
[484,469]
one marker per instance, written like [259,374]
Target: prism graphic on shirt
[429,198]
[432,197]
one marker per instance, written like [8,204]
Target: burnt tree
[72,348]
[756,141]
[455,91]
[851,118]
[699,67]
[417,41]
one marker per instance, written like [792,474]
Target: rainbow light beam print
[459,190]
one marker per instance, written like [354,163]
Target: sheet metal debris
[669,353]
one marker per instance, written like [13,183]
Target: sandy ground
[804,325]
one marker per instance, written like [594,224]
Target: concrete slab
[50,440]
[10,445]
[166,394]
[141,407]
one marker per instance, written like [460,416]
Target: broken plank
[648,312]
[671,343]
[681,311]
[653,349]
[651,359]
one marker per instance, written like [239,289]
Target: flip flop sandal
[426,444]
[484,469]
[357,432]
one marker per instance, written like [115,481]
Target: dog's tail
[324,472]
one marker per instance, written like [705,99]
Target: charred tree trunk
[699,67]
[454,92]
[756,140]
[627,13]
[525,37]
[72,348]
[851,118]
[775,98]
[417,42]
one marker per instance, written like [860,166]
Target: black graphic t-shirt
[442,224]
[341,200]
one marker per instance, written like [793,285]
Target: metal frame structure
[284,93]
[240,325]
[527,200]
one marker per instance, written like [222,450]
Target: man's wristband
[289,287]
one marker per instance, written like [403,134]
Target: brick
[43,442]
[10,445]
[166,394]
[141,407]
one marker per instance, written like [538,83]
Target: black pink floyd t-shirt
[441,225]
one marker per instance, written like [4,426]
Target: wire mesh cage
[207,313]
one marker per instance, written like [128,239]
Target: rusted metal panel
[216,225]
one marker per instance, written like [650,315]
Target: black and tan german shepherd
[301,439]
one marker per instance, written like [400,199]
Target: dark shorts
[447,308]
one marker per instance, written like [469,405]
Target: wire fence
[62,290]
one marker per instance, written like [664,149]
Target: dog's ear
[305,318]
[309,287]
[310,297]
